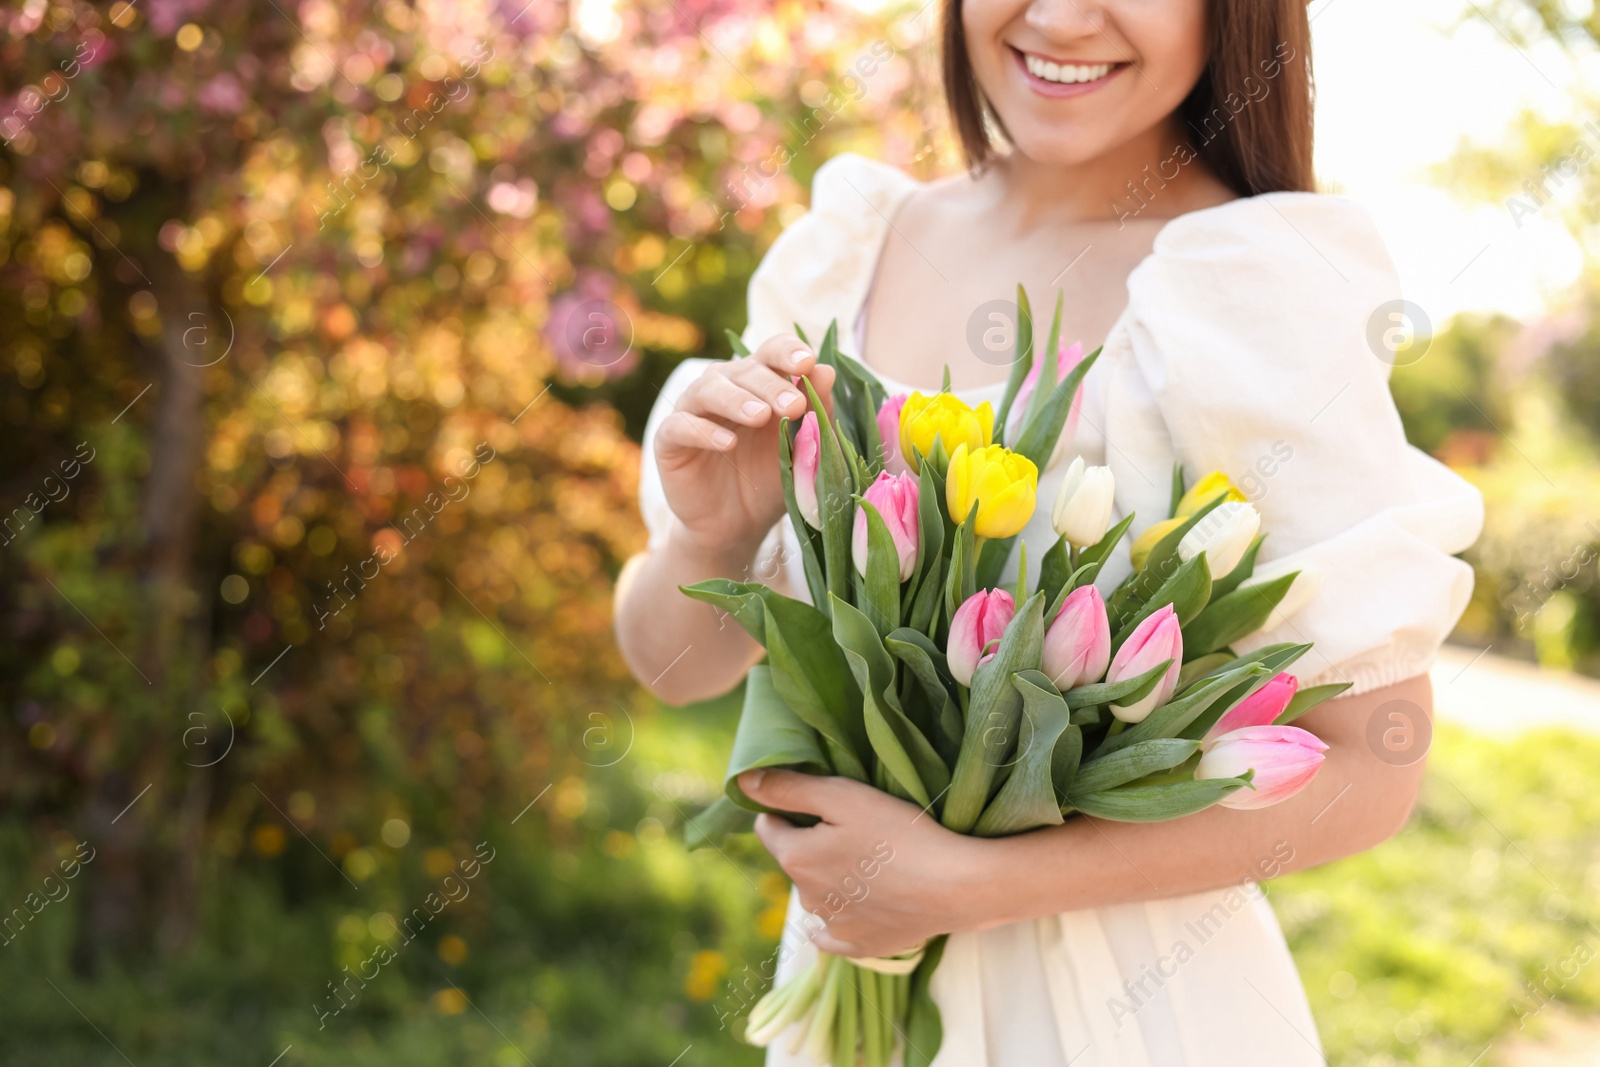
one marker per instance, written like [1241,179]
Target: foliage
[313,500]
[1460,930]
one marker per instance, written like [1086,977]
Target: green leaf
[1177,490]
[770,734]
[1160,564]
[740,600]
[1201,666]
[1157,803]
[1039,437]
[713,825]
[924,1030]
[835,501]
[1127,691]
[1170,718]
[1028,798]
[878,594]
[1186,591]
[1236,615]
[1049,369]
[930,530]
[816,582]
[901,748]
[1066,761]
[810,672]
[1055,570]
[1101,549]
[736,343]
[992,559]
[1246,566]
[993,714]
[927,665]
[1020,365]
[1131,763]
[1306,699]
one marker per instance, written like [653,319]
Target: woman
[1151,161]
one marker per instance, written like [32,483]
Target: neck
[1037,193]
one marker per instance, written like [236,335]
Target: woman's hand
[718,452]
[882,874]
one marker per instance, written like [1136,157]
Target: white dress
[1242,349]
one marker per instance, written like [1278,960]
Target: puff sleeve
[817,270]
[1244,350]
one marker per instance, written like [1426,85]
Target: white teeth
[1066,73]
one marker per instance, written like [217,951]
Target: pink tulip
[889,433]
[1067,357]
[1077,646]
[895,497]
[980,620]
[1284,759]
[1258,709]
[1155,639]
[807,454]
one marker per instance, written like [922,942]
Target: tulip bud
[807,454]
[1139,554]
[1067,357]
[895,497]
[1284,759]
[942,416]
[1223,535]
[1003,483]
[1077,645]
[1204,491]
[1260,708]
[889,434]
[981,619]
[1083,507]
[1155,639]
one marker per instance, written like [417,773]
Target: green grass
[595,939]
[1454,933]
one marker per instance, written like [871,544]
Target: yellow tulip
[943,416]
[1206,490]
[1004,484]
[1140,552]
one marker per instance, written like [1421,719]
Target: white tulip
[1083,506]
[1223,535]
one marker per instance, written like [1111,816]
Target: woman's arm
[937,881]
[683,650]
[716,453]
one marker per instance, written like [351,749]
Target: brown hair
[1249,115]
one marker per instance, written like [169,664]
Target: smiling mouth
[1065,73]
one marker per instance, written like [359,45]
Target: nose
[1066,20]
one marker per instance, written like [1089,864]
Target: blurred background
[327,331]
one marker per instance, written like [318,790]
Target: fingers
[683,430]
[827,798]
[777,391]
[785,354]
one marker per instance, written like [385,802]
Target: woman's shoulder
[820,266]
[1275,230]
[1286,263]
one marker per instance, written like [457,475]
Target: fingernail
[722,438]
[752,408]
[788,398]
[752,779]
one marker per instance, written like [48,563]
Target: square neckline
[995,389]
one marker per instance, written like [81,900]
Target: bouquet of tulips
[997,710]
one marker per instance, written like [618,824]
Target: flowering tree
[315,303]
